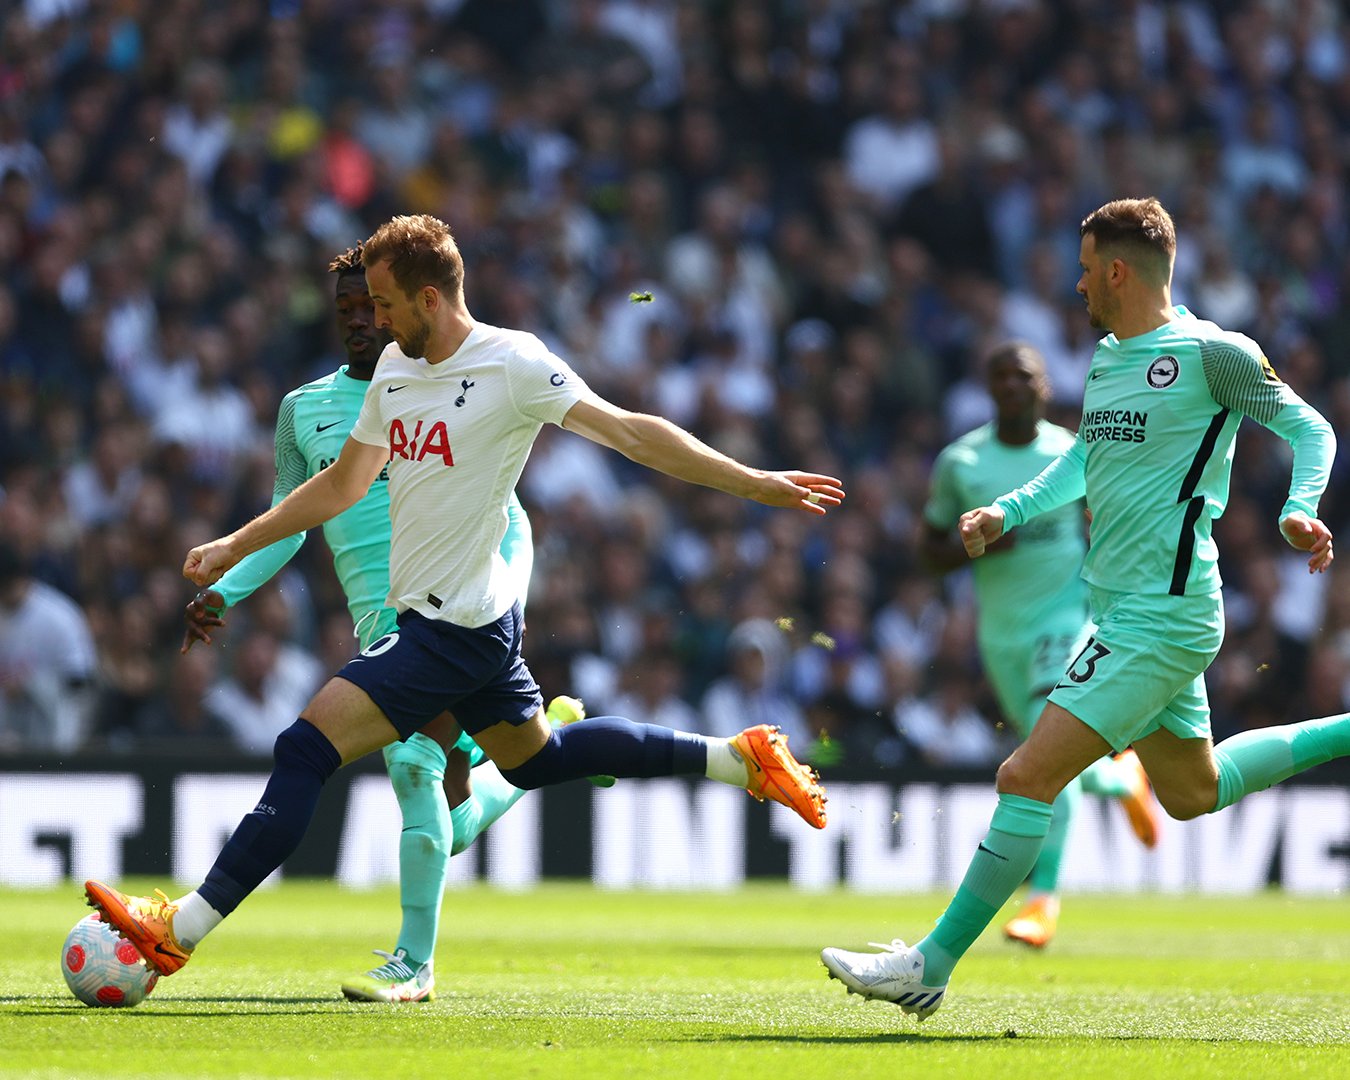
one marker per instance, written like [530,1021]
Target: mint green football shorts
[1021,670]
[1144,667]
[375,626]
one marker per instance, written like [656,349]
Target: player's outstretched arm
[980,528]
[206,611]
[1311,535]
[661,445]
[319,498]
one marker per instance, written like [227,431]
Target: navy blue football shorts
[425,667]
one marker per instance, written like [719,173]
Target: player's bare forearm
[979,528]
[658,444]
[319,498]
[941,550]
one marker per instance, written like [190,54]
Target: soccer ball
[103,969]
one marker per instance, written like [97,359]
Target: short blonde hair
[420,250]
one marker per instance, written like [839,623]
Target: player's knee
[409,779]
[544,768]
[304,746]
[1187,804]
[1014,778]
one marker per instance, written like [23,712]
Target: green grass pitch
[570,981]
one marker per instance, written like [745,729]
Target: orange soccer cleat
[1035,924]
[775,774]
[1139,805]
[145,921]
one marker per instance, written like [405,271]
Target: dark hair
[1012,350]
[349,262]
[1138,230]
[421,251]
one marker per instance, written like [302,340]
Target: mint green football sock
[1256,760]
[417,771]
[492,797]
[1107,776]
[1001,863]
[1045,874]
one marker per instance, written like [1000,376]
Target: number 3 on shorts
[1084,665]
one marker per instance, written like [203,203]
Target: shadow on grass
[879,1037]
[39,1005]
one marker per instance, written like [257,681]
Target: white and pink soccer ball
[102,969]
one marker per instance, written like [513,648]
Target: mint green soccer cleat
[564,710]
[394,981]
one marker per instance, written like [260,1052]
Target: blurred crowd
[837,206]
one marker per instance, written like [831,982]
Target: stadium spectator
[47,662]
[754,690]
[263,693]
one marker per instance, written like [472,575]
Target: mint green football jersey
[312,426]
[1154,453]
[1037,581]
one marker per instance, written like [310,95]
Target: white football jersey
[458,434]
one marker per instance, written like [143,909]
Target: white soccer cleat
[894,975]
[393,981]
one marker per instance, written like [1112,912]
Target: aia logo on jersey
[425,442]
[1163,372]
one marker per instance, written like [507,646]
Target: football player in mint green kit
[1033,603]
[312,424]
[1164,397]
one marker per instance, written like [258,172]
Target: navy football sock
[611,746]
[304,760]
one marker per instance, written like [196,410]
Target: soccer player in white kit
[452,412]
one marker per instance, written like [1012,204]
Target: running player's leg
[506,719]
[1116,692]
[915,977]
[338,726]
[490,795]
[1192,777]
[1057,750]
[1120,776]
[1021,673]
[417,770]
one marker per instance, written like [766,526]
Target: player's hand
[1310,535]
[804,491]
[979,528]
[203,613]
[207,563]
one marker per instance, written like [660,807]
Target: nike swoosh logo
[1094,375]
[995,854]
[394,389]
[171,953]
[749,762]
[325,427]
